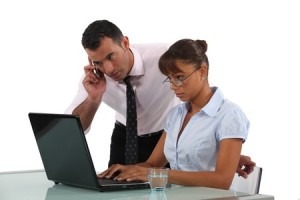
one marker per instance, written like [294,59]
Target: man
[111,59]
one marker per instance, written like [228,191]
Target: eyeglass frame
[179,83]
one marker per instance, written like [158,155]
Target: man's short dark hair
[96,31]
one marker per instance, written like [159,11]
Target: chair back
[249,185]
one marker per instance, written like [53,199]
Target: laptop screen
[63,149]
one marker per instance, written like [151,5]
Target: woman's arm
[227,160]
[138,171]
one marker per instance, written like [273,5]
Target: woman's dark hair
[96,31]
[185,50]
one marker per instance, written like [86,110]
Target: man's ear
[125,42]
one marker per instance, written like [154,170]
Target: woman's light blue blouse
[198,144]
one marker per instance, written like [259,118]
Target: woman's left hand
[125,172]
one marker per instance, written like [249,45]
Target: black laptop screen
[63,149]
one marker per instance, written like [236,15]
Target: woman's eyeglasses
[177,81]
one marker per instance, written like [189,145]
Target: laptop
[65,154]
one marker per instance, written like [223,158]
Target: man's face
[112,59]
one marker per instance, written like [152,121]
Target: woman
[203,137]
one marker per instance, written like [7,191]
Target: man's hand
[245,167]
[95,85]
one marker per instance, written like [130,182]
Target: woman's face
[187,82]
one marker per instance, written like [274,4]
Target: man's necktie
[131,146]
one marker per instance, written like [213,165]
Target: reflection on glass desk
[34,185]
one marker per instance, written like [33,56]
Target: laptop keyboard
[111,181]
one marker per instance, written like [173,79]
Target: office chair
[250,185]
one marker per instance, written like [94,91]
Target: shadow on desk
[64,192]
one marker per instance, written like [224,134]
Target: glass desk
[34,185]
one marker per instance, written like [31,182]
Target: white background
[253,47]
